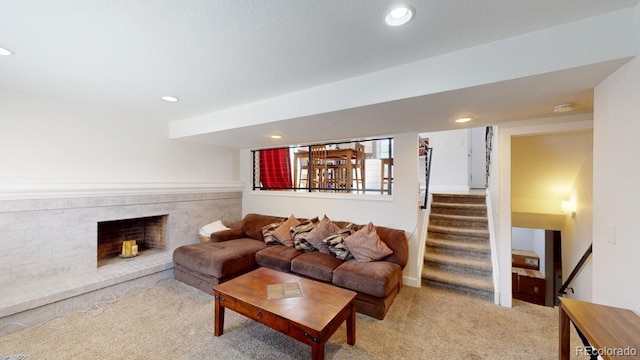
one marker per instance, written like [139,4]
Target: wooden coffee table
[306,310]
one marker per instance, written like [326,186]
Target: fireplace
[149,234]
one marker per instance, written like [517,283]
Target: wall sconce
[569,207]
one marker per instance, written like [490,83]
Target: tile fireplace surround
[48,263]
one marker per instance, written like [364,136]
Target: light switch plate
[612,236]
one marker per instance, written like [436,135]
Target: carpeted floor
[174,321]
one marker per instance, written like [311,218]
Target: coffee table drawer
[262,316]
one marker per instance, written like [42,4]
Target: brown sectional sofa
[241,249]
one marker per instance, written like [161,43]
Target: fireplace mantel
[64,189]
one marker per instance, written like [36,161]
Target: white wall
[532,240]
[450,162]
[45,143]
[398,211]
[577,233]
[616,194]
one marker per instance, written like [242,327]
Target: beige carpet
[174,321]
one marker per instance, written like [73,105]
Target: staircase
[458,253]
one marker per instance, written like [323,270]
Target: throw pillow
[366,246]
[267,233]
[336,244]
[213,227]
[324,229]
[300,232]
[283,232]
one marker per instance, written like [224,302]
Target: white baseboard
[413,282]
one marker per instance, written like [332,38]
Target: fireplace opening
[149,234]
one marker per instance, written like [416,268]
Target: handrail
[593,355]
[427,167]
[575,271]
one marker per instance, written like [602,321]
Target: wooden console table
[606,328]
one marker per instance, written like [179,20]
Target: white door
[478,159]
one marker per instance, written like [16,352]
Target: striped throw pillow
[267,233]
[336,243]
[299,232]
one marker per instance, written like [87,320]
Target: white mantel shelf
[60,190]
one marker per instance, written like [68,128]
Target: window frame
[379,142]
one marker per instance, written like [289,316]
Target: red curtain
[275,169]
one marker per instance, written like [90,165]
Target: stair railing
[575,271]
[427,174]
[590,350]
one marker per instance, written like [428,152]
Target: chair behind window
[358,166]
[318,166]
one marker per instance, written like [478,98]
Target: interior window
[360,167]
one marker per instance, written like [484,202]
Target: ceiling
[121,56]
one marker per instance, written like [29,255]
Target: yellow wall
[543,170]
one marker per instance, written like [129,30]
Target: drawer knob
[259,314]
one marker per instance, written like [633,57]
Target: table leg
[317,351]
[218,323]
[381,176]
[349,182]
[362,177]
[351,325]
[296,160]
[564,339]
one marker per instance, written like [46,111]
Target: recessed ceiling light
[563,108]
[170,98]
[464,119]
[276,136]
[5,52]
[399,16]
